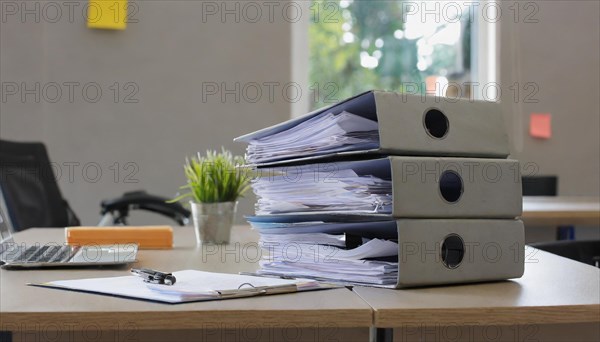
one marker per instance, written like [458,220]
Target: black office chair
[33,198]
[540,185]
[586,251]
[115,211]
[29,188]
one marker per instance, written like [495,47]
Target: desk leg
[6,336]
[384,335]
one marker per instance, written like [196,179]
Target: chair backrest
[540,185]
[29,187]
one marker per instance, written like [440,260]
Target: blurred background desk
[39,314]
[557,299]
[549,218]
[561,211]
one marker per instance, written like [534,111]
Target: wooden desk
[562,210]
[554,295]
[41,314]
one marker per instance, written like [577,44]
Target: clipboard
[191,286]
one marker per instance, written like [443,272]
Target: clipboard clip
[248,290]
[153,276]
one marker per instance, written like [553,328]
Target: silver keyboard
[39,254]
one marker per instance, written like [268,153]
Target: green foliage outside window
[361,45]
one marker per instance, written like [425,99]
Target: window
[406,46]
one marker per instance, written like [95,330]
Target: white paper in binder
[322,134]
[321,249]
[311,191]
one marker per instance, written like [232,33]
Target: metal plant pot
[213,221]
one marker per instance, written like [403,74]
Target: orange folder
[147,237]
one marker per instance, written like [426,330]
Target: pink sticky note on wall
[540,125]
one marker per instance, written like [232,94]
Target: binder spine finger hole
[436,123]
[453,251]
[451,186]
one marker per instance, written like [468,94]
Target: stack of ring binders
[423,182]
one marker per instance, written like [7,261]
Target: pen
[153,276]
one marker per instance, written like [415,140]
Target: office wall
[161,62]
[172,50]
[559,54]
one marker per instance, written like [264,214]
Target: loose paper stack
[303,189]
[330,257]
[325,133]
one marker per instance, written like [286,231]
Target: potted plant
[214,183]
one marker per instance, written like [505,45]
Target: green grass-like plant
[215,177]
